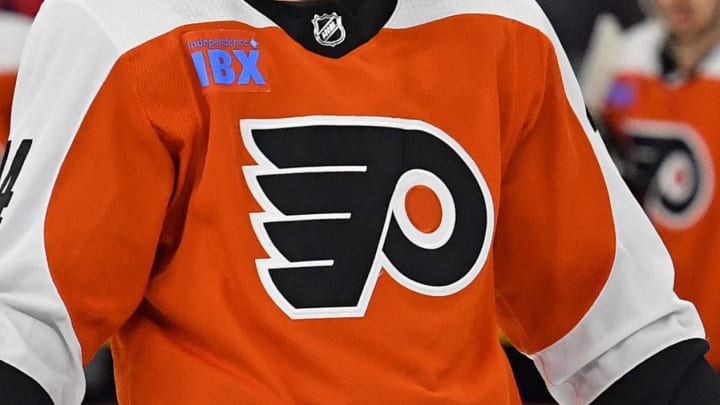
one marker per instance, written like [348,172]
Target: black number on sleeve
[8,181]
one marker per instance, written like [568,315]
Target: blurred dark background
[574,20]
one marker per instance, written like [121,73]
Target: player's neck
[688,52]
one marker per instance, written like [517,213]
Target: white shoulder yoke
[130,23]
[642,45]
[417,12]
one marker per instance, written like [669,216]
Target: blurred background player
[664,112]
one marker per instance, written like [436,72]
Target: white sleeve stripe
[36,333]
[637,302]
[598,375]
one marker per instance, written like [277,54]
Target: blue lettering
[249,67]
[220,63]
[199,62]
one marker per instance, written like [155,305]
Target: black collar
[669,65]
[331,28]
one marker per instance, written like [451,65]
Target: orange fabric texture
[7,87]
[176,285]
[424,208]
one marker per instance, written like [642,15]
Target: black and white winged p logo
[672,172]
[333,190]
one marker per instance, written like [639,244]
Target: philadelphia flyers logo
[672,171]
[333,192]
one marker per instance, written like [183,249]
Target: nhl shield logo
[328,29]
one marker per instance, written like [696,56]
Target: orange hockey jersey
[667,126]
[264,203]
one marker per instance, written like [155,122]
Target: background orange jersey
[667,126]
[269,205]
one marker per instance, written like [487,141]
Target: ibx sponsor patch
[227,60]
[623,94]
